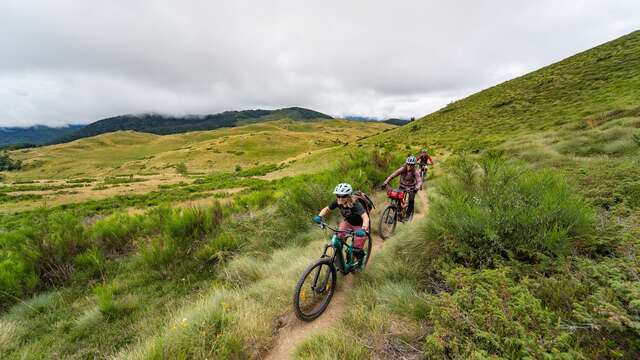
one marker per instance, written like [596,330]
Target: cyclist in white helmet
[355,217]
[410,181]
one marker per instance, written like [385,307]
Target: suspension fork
[318,288]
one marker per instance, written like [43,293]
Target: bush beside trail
[511,262]
[493,211]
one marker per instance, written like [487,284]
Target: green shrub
[89,263]
[219,247]
[255,199]
[182,232]
[60,237]
[488,314]
[115,234]
[300,203]
[259,170]
[17,277]
[493,211]
[181,168]
[40,253]
[8,164]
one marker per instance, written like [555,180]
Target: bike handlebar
[324,225]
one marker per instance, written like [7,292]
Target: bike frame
[341,248]
[423,170]
[399,204]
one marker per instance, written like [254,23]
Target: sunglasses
[342,196]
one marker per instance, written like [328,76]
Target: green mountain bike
[317,284]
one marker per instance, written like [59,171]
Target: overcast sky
[79,61]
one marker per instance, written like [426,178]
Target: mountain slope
[605,78]
[125,152]
[165,124]
[561,143]
[36,135]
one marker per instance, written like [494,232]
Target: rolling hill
[149,123]
[166,124]
[584,87]
[124,152]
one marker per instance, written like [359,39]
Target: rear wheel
[388,221]
[314,290]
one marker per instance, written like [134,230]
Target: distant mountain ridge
[168,124]
[391,121]
[398,122]
[35,135]
[150,123]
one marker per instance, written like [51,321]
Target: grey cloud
[75,62]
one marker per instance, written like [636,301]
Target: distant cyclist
[423,160]
[410,181]
[355,217]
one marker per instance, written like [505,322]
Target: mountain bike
[317,284]
[393,213]
[423,171]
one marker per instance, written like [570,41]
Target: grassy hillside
[531,246]
[165,283]
[128,163]
[577,89]
[166,124]
[224,149]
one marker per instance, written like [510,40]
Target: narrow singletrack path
[294,331]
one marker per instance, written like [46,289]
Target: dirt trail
[294,331]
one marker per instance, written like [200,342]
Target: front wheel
[315,289]
[388,221]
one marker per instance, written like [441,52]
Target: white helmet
[343,189]
[411,160]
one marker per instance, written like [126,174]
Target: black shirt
[353,215]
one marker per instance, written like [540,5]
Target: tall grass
[492,211]
[244,258]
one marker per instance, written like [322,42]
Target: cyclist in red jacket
[423,160]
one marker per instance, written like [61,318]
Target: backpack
[364,200]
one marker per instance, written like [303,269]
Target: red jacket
[425,159]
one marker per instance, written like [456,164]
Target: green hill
[531,243]
[279,145]
[584,86]
[166,124]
